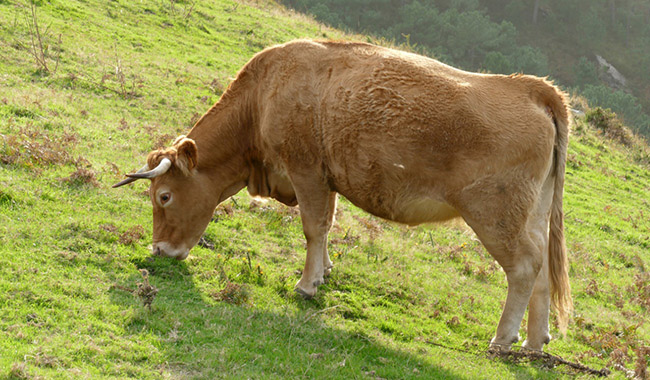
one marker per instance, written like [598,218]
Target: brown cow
[401,136]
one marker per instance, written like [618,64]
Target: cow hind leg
[540,301]
[538,312]
[327,263]
[522,266]
[522,261]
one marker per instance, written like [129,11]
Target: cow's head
[183,198]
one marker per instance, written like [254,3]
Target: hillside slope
[401,302]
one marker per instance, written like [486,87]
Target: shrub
[606,121]
[624,104]
[32,146]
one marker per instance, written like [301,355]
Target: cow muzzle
[167,250]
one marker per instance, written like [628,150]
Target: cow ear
[187,155]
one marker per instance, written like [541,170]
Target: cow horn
[144,172]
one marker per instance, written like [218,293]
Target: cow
[403,137]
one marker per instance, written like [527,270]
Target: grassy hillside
[401,302]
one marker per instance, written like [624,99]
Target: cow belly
[424,210]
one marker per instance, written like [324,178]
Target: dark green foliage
[585,73]
[624,104]
[497,63]
[530,60]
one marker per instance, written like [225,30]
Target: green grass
[70,245]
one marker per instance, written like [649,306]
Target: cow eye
[165,197]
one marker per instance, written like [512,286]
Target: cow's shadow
[200,338]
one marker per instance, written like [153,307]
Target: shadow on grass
[201,338]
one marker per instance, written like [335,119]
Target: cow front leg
[317,209]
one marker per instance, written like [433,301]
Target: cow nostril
[157,252]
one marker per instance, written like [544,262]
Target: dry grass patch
[36,147]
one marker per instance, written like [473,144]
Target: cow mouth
[166,250]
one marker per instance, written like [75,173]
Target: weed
[41,45]
[216,86]
[123,84]
[236,294]
[19,371]
[592,288]
[145,291]
[453,322]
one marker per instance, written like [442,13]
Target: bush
[623,104]
[606,121]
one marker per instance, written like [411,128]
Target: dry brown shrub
[592,288]
[110,228]
[132,235]
[31,147]
[163,141]
[641,289]
[233,293]
[19,371]
[216,86]
[195,118]
[641,368]
[82,176]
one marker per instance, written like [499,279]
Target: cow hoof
[536,346]
[531,348]
[504,346]
[498,349]
[328,269]
[304,294]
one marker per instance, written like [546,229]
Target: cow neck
[224,139]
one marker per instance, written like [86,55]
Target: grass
[401,302]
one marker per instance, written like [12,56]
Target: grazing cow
[403,137]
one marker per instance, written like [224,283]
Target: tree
[497,63]
[585,73]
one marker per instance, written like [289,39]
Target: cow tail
[557,254]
